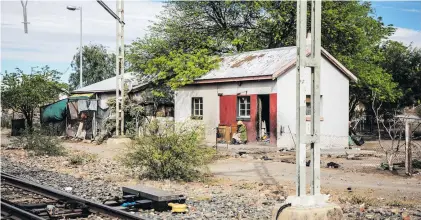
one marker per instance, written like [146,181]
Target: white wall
[334,88]
[209,93]
[182,106]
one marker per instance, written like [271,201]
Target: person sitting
[241,136]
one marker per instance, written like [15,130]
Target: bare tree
[394,128]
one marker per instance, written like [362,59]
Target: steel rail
[60,195]
[16,213]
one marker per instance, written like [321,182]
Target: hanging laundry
[93,105]
[73,110]
[103,103]
[82,105]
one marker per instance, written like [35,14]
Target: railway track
[23,199]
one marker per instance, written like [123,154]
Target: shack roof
[261,64]
[109,85]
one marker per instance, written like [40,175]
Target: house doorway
[263,122]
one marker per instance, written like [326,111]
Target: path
[273,172]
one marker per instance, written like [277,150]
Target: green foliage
[170,151]
[350,32]
[39,142]
[134,116]
[25,92]
[178,68]
[404,65]
[97,63]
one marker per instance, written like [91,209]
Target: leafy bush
[39,142]
[134,116]
[170,151]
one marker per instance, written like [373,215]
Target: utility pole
[119,70]
[313,138]
[25,17]
[120,57]
[74,8]
[315,205]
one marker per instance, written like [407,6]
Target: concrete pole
[121,15]
[25,17]
[408,149]
[301,99]
[80,52]
[314,63]
[117,75]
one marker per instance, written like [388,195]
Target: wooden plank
[154,194]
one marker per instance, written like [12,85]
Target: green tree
[404,64]
[98,65]
[350,32]
[26,92]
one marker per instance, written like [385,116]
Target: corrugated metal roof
[271,62]
[109,84]
[253,63]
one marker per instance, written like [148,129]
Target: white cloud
[407,36]
[412,10]
[54,31]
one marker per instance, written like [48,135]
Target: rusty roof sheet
[270,62]
[253,63]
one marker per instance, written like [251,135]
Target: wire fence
[387,140]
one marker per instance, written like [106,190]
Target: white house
[259,89]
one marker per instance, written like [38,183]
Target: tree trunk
[352,107]
[390,162]
[29,119]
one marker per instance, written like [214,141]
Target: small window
[243,108]
[197,108]
[308,105]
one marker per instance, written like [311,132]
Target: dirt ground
[363,176]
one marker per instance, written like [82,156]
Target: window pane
[196,112]
[201,112]
[242,112]
[248,112]
[248,105]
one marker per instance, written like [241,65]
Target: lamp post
[74,8]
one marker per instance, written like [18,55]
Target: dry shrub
[170,151]
[357,199]
[39,142]
[82,158]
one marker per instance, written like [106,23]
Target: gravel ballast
[103,179]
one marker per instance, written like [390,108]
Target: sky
[54,31]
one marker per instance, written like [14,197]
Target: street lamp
[74,8]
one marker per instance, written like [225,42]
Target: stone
[350,157]
[324,212]
[68,189]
